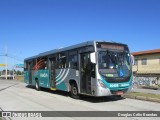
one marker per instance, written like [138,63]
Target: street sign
[2,65]
[19,65]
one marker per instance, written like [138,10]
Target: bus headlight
[101,83]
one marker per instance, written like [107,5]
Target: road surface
[17,96]
[146,90]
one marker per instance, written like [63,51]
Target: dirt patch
[21,78]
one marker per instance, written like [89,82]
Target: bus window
[40,63]
[25,65]
[73,60]
[62,61]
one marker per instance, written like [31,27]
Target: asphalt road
[17,96]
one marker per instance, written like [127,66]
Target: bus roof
[68,48]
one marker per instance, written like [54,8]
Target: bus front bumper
[100,91]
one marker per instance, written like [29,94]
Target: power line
[16,58]
[12,56]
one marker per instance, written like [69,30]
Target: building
[147,63]
[10,74]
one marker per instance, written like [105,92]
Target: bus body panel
[41,75]
[26,77]
[63,76]
[43,78]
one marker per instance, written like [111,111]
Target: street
[17,96]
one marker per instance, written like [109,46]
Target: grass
[147,95]
[19,78]
[0,118]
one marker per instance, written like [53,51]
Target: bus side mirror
[93,57]
[132,59]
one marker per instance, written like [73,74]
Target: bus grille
[117,80]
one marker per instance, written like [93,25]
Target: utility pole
[6,60]
[13,67]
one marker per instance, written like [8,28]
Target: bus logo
[43,75]
[121,73]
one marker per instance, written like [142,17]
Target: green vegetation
[18,72]
[147,95]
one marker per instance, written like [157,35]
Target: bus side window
[25,65]
[45,65]
[62,61]
[42,63]
[73,60]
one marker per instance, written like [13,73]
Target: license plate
[119,93]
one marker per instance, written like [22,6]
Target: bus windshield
[113,61]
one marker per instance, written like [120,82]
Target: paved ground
[15,96]
[146,90]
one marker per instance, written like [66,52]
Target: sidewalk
[143,90]
[144,94]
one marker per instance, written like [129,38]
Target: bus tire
[119,96]
[37,85]
[74,91]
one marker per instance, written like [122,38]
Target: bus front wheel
[37,85]
[74,91]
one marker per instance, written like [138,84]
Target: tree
[4,72]
[19,72]
[22,72]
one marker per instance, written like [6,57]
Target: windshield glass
[114,61]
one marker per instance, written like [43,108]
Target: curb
[142,98]
[153,100]
[151,88]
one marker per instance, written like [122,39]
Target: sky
[29,27]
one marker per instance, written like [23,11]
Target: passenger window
[73,60]
[40,63]
[25,65]
[62,61]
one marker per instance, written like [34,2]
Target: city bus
[94,68]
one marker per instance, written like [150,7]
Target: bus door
[52,72]
[30,72]
[85,75]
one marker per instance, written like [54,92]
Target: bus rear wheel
[74,91]
[37,85]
